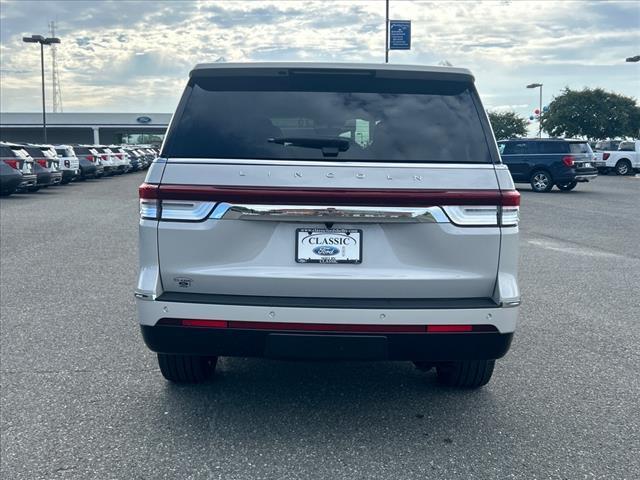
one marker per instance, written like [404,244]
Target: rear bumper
[68,175]
[436,347]
[56,178]
[319,341]
[28,181]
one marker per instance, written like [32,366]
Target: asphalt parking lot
[81,397]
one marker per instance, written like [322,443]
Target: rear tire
[186,368]
[623,167]
[567,187]
[465,374]
[541,181]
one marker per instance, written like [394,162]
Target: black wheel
[623,167]
[541,181]
[186,368]
[465,374]
[423,366]
[567,186]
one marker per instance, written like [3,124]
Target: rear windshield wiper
[330,146]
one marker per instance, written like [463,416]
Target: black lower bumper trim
[228,342]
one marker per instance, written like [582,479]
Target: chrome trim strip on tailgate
[309,213]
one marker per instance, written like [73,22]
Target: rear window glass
[580,148]
[345,117]
[34,152]
[552,147]
[6,152]
[516,148]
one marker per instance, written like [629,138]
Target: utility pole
[386,35]
[55,75]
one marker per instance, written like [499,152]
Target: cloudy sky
[134,56]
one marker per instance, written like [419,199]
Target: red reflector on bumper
[449,328]
[204,323]
[325,327]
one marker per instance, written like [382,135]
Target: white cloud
[133,56]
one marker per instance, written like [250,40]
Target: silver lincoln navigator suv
[329,211]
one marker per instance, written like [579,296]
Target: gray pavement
[82,398]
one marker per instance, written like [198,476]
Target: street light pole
[538,85]
[42,41]
[386,35]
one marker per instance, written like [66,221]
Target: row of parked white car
[29,167]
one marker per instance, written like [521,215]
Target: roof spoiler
[275,69]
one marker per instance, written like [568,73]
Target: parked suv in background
[46,162]
[20,177]
[89,162]
[545,162]
[69,163]
[329,211]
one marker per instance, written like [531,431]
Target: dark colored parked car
[90,166]
[545,162]
[135,159]
[16,173]
[48,173]
[10,178]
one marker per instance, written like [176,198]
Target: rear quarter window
[376,120]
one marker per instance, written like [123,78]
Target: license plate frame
[327,258]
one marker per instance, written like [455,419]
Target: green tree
[592,113]
[507,125]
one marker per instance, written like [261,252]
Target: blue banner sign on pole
[399,34]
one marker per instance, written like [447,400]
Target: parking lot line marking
[566,248]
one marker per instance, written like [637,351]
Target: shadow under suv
[329,211]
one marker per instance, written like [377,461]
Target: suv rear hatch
[312,184]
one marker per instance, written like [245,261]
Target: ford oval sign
[143,119]
[326,250]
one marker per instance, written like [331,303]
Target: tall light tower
[55,76]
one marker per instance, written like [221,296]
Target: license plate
[587,165]
[318,245]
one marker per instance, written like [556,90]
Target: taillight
[152,208]
[43,163]
[467,208]
[506,214]
[89,157]
[12,163]
[605,156]
[568,160]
